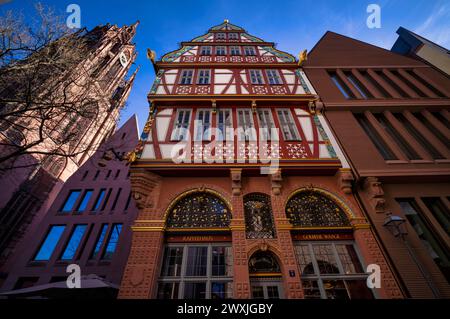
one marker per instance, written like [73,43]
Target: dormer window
[233,36]
[205,50]
[220,36]
[221,50]
[249,51]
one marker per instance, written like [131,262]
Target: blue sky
[293,24]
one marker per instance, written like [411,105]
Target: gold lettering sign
[199,238]
[323,237]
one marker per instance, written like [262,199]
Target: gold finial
[302,57]
[226,21]
[151,55]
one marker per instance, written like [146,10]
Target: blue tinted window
[99,199]
[100,239]
[50,242]
[74,242]
[112,241]
[70,201]
[85,201]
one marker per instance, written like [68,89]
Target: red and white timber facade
[224,107]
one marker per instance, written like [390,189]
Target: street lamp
[395,224]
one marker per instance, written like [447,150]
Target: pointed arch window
[258,216]
[199,210]
[313,209]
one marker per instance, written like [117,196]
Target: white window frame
[178,127]
[228,128]
[235,47]
[317,276]
[224,51]
[273,77]
[266,123]
[234,37]
[201,77]
[256,77]
[208,279]
[249,47]
[183,77]
[206,48]
[246,126]
[221,36]
[201,125]
[288,123]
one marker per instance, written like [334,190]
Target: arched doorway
[265,276]
[329,260]
[198,260]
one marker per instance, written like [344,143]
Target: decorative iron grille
[258,216]
[199,210]
[263,262]
[312,209]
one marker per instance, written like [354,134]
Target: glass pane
[100,197]
[221,290]
[349,259]
[195,290]
[173,257]
[197,261]
[357,289]
[85,201]
[218,261]
[325,259]
[305,260]
[50,243]
[74,242]
[99,243]
[168,290]
[70,201]
[311,289]
[112,242]
[439,211]
[272,292]
[257,292]
[335,289]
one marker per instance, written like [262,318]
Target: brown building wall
[144,263]
[380,181]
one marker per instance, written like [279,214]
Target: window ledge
[396,162]
[442,161]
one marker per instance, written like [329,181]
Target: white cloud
[436,26]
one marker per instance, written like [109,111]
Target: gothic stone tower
[30,190]
[241,188]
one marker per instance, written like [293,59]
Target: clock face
[123,59]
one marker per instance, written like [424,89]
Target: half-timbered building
[241,187]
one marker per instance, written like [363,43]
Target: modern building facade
[29,190]
[390,115]
[416,46]
[88,224]
[241,187]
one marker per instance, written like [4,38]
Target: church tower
[30,183]
[241,187]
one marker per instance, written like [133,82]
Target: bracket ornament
[236,185]
[375,192]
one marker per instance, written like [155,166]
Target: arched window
[263,262]
[258,216]
[313,209]
[199,210]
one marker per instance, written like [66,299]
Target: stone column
[240,259]
[290,271]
